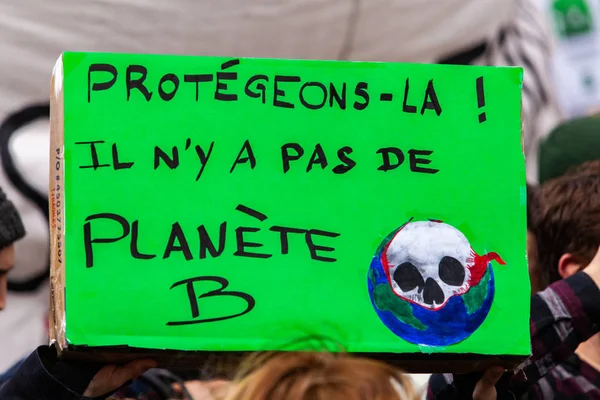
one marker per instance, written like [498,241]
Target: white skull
[428,263]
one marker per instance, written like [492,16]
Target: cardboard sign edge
[410,362]
[57,210]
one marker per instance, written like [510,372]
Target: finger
[486,387]
[112,377]
[121,374]
[177,388]
[492,375]
[132,370]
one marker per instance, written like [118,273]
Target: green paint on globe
[386,300]
[475,297]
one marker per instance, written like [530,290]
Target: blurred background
[557,42]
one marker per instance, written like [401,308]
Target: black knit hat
[11,226]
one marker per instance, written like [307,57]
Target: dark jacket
[43,377]
[10,372]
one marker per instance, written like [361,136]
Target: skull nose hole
[432,293]
[408,277]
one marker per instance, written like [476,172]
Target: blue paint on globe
[449,325]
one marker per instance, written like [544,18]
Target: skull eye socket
[408,277]
[452,271]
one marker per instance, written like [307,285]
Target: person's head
[568,227]
[11,230]
[320,376]
[533,210]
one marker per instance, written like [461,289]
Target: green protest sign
[219,204]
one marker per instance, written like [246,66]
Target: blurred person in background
[575,73]
[11,230]
[42,376]
[568,234]
[317,376]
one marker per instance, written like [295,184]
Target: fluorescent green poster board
[245,204]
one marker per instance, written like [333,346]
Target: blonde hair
[318,376]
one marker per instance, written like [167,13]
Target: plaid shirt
[563,316]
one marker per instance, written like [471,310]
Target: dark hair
[569,221]
[590,167]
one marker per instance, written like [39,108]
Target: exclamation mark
[480,98]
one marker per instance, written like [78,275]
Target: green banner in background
[246,204]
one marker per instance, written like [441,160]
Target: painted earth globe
[428,286]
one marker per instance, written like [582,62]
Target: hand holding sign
[112,377]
